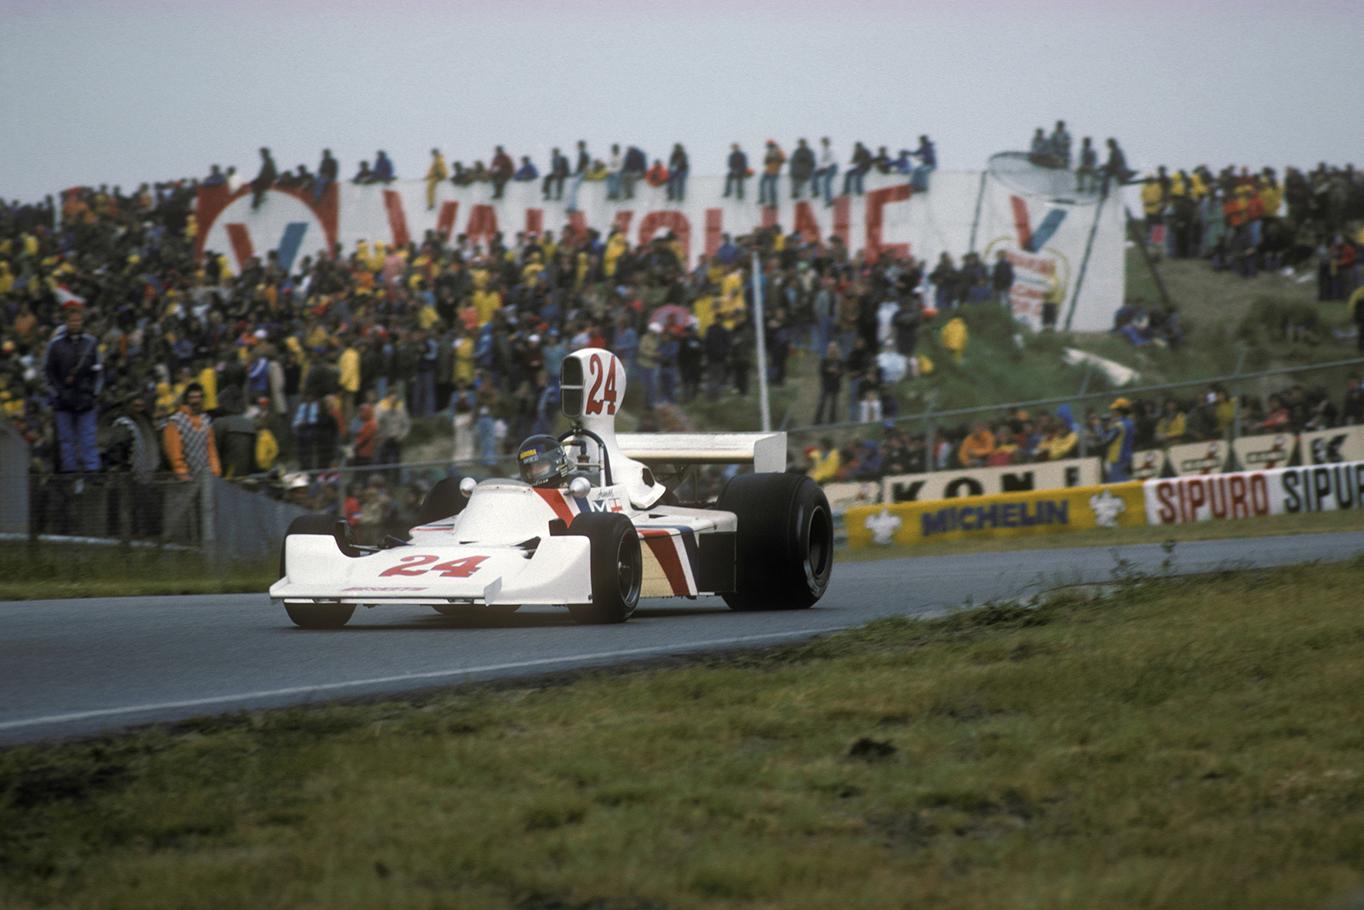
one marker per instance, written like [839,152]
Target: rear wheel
[785,547]
[309,615]
[617,567]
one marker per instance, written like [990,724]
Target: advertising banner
[1046,475]
[1044,237]
[1254,494]
[1148,463]
[1006,515]
[1264,453]
[1192,458]
[1332,446]
[852,493]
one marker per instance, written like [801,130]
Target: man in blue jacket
[75,379]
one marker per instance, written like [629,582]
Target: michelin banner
[1006,515]
[1255,494]
[1043,237]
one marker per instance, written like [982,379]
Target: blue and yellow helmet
[542,461]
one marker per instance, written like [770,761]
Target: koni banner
[1045,238]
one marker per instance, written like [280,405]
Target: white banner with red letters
[1255,494]
[1045,238]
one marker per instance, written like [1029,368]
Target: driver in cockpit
[543,462]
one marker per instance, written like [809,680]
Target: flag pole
[760,327]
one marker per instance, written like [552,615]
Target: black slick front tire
[617,567]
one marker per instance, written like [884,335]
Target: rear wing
[765,451]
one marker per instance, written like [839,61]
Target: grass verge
[1184,743]
[41,570]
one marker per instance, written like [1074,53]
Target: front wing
[557,572]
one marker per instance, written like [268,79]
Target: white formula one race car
[588,527]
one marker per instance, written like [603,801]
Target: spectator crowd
[122,350]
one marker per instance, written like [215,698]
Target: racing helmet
[542,461]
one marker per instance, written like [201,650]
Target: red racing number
[420,564]
[602,371]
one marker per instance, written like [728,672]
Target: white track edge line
[380,680]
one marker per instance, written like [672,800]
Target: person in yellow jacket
[486,300]
[267,446]
[435,175]
[348,376]
[616,245]
[464,360]
[824,461]
[955,337]
[208,378]
[703,308]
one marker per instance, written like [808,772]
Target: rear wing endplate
[765,451]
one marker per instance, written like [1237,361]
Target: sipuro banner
[1255,494]
[1045,238]
[1046,475]
[1033,513]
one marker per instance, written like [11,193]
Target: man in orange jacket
[188,437]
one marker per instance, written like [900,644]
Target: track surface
[79,667]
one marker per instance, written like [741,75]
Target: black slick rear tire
[784,551]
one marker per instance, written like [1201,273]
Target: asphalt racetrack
[75,668]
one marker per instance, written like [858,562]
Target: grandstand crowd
[1249,223]
[121,350]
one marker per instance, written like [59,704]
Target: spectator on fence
[363,176]
[1087,173]
[327,170]
[678,167]
[802,169]
[858,165]
[773,159]
[657,175]
[827,171]
[1115,168]
[1059,142]
[553,186]
[634,165]
[74,372]
[265,178]
[435,175]
[1039,149]
[500,170]
[736,172]
[527,172]
[383,168]
[927,153]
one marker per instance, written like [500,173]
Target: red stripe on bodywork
[665,551]
[555,500]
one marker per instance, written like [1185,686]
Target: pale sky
[126,91]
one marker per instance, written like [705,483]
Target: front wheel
[308,615]
[617,567]
[785,547]
[319,616]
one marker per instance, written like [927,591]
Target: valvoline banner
[1044,238]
